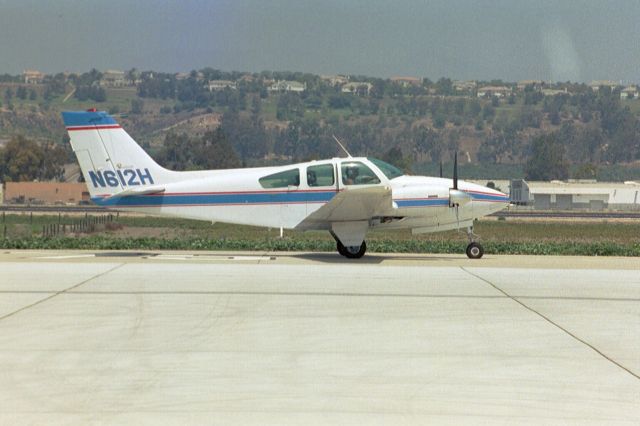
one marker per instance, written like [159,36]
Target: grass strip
[374,246]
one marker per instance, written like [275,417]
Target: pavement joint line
[318,294]
[550,321]
[57,293]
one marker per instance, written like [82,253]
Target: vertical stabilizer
[111,161]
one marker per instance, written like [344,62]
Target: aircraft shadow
[370,259]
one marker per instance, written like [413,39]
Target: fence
[84,225]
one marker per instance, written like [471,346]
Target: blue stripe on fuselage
[216,199]
[263,198]
[424,202]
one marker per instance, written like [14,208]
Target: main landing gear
[352,252]
[474,249]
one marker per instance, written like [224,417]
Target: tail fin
[111,161]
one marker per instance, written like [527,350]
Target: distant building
[536,84]
[356,87]
[113,78]
[630,92]
[215,85]
[133,77]
[585,195]
[407,81]
[287,86]
[555,92]
[597,84]
[45,193]
[32,77]
[182,76]
[494,91]
[335,80]
[464,86]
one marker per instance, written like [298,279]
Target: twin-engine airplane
[346,196]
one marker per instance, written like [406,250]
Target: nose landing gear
[474,249]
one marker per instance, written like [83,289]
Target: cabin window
[356,173]
[282,179]
[321,175]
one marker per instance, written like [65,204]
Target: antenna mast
[341,146]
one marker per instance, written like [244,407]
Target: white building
[597,84]
[586,195]
[335,80]
[495,91]
[221,85]
[32,76]
[464,86]
[555,92]
[630,92]
[287,86]
[357,87]
[536,84]
[113,78]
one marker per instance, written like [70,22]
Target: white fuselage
[239,196]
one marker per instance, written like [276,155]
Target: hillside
[267,118]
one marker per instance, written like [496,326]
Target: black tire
[352,252]
[340,248]
[475,251]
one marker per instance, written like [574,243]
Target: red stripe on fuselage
[114,126]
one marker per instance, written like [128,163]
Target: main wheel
[475,251]
[352,252]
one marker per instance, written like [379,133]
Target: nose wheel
[474,249]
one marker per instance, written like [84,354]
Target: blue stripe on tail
[86,118]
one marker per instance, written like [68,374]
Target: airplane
[347,196]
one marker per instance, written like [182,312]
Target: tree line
[412,124]
[23,159]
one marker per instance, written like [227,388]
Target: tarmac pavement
[291,338]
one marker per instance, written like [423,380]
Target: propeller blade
[455,170]
[440,168]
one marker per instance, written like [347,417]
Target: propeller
[457,198]
[455,170]
[440,168]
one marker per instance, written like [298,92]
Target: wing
[351,204]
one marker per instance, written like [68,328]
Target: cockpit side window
[320,175]
[391,172]
[356,173]
[281,179]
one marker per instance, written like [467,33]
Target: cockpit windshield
[389,171]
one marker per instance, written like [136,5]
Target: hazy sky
[558,40]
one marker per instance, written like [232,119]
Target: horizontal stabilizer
[137,191]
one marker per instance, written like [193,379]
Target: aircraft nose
[500,201]
[492,200]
